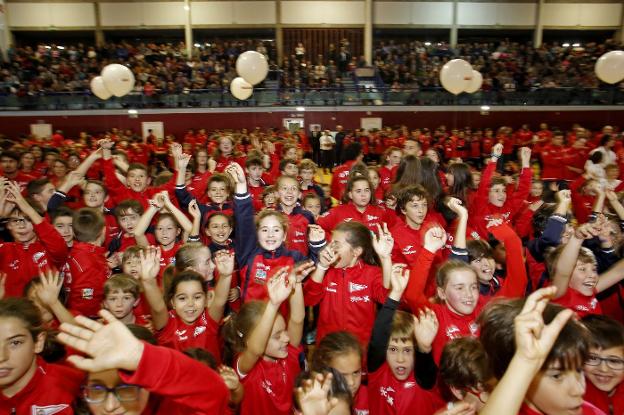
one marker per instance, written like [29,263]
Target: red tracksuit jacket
[347,299]
[257,265]
[481,210]
[84,281]
[611,405]
[340,179]
[371,217]
[52,390]
[389,396]
[118,192]
[178,384]
[298,221]
[22,262]
[269,385]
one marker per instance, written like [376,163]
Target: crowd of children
[446,273]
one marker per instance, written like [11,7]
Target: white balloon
[252,66]
[98,88]
[241,89]
[456,75]
[610,67]
[118,79]
[475,82]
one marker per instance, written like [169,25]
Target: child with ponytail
[266,349]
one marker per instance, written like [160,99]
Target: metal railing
[276,97]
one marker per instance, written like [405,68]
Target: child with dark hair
[537,352]
[604,369]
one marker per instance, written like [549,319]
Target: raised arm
[86,164]
[165,372]
[150,267]
[382,328]
[279,288]
[180,217]
[435,238]
[48,290]
[524,183]
[224,262]
[155,205]
[611,277]
[459,239]
[534,340]
[296,302]
[383,243]
[516,278]
[566,261]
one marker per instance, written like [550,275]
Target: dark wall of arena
[179,123]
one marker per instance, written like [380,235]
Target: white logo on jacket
[365,299]
[353,287]
[408,250]
[371,217]
[48,409]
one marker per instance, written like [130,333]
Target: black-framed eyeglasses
[612,362]
[99,393]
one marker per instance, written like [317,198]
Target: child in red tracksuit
[491,201]
[409,235]
[457,287]
[196,313]
[37,245]
[267,349]
[298,218]
[87,268]
[218,191]
[136,186]
[342,352]
[227,153]
[130,376]
[400,364]
[360,207]
[28,384]
[348,283]
[604,370]
[575,273]
[260,253]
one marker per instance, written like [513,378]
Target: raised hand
[280,286]
[425,329]
[150,263]
[534,339]
[193,209]
[106,144]
[236,173]
[435,238]
[525,156]
[398,281]
[110,346]
[176,150]
[497,150]
[14,193]
[302,270]
[316,233]
[383,242]
[456,206]
[314,395]
[327,257]
[74,178]
[587,231]
[224,262]
[229,376]
[49,288]
[564,197]
[183,161]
